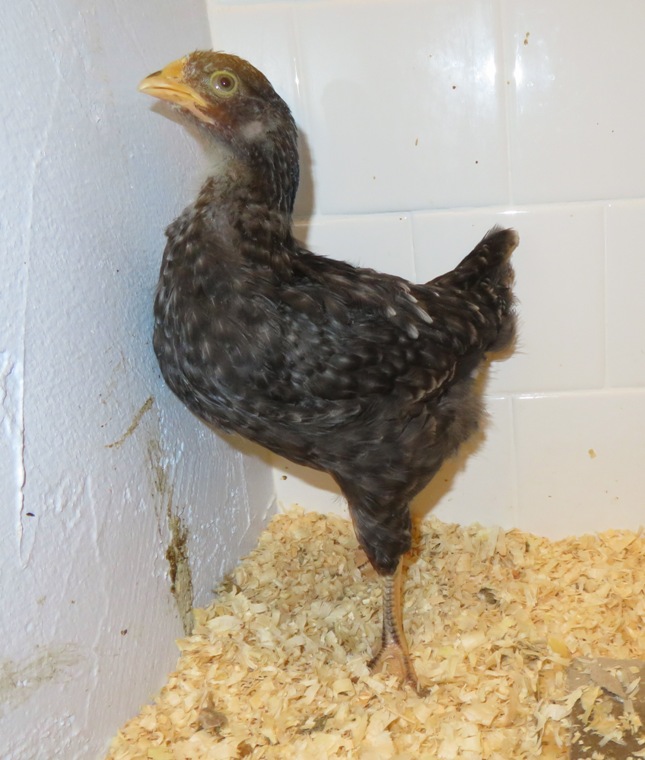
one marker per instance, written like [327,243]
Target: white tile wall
[425,122]
[625,287]
[579,460]
[382,241]
[575,114]
[397,90]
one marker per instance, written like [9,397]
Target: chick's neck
[250,201]
[271,166]
[257,180]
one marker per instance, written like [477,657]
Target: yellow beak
[168,84]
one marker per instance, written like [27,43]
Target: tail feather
[489,259]
[485,279]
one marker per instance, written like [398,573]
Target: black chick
[360,374]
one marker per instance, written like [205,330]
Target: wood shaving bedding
[276,666]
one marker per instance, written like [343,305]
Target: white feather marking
[424,315]
[252,130]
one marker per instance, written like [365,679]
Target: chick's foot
[393,655]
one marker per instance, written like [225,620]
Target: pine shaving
[276,666]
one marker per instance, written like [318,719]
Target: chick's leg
[393,654]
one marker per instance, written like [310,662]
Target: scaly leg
[393,654]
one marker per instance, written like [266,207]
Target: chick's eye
[224,83]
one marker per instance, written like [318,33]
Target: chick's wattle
[360,374]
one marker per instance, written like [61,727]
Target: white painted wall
[426,122]
[90,177]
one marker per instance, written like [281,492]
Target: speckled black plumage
[361,374]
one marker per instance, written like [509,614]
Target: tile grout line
[497,208]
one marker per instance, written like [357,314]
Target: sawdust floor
[276,667]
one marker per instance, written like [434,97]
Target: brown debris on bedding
[608,719]
[276,666]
